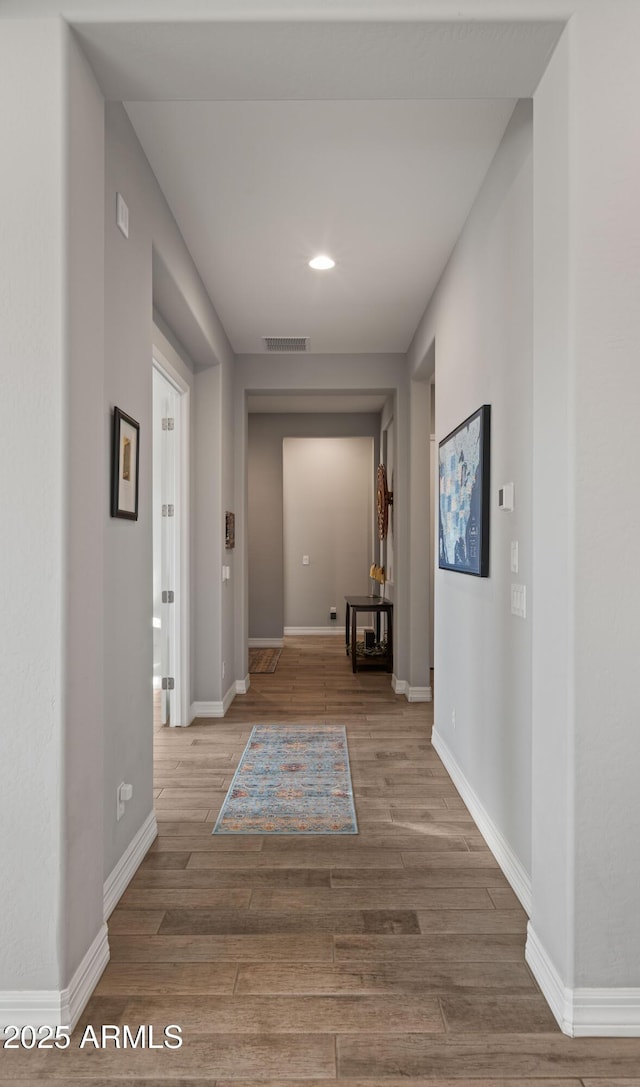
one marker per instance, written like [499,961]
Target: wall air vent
[286,343]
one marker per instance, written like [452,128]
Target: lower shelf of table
[376,658]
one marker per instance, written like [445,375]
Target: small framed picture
[229,531]
[125,465]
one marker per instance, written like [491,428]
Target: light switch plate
[519,601]
[505,497]
[305,560]
[514,556]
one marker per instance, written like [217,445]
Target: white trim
[206,709]
[30,1007]
[228,698]
[121,875]
[606,1013]
[298,631]
[85,979]
[57,1008]
[419,694]
[583,1013]
[510,864]
[412,694]
[556,995]
[213,709]
[265,643]
[242,685]
[183,546]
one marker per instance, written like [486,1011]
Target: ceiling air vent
[286,343]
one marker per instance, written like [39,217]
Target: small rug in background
[291,780]
[263,660]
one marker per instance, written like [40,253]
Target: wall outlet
[305,560]
[514,557]
[224,669]
[124,792]
[453,718]
[519,601]
[333,614]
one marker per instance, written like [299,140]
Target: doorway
[327,487]
[170,547]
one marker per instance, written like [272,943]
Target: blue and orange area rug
[291,780]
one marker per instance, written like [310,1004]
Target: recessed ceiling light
[322,263]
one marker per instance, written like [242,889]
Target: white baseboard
[214,709]
[205,709]
[242,685]
[121,875]
[510,864]
[419,694]
[583,1013]
[58,1008]
[335,628]
[556,995]
[85,979]
[606,1013]
[412,694]
[265,643]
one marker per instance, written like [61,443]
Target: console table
[377,606]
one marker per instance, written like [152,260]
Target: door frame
[182,694]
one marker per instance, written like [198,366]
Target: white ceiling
[280,134]
[313,51]
[258,188]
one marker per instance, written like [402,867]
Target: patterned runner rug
[291,780]
[263,660]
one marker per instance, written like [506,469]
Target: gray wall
[85,501]
[265,504]
[128,642]
[328,487]
[481,320]
[51,499]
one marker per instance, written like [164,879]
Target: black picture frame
[125,466]
[464,466]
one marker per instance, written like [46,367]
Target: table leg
[354,632]
[390,640]
[346,628]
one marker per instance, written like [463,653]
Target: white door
[166,542]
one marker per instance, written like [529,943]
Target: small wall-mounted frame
[384,499]
[229,531]
[464,467]
[125,466]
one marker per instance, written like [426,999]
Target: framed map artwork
[464,461]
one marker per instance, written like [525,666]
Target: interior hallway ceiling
[276,140]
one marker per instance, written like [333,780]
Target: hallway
[396,956]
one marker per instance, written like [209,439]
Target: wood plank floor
[392,957]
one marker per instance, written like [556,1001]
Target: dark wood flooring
[393,957]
